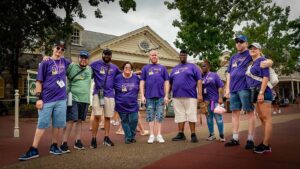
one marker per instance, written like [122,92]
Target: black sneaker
[232,142]
[78,145]
[30,154]
[94,143]
[107,141]
[180,137]
[194,138]
[249,145]
[133,140]
[64,147]
[127,141]
[55,150]
[260,149]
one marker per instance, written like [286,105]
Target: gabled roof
[147,29]
[90,40]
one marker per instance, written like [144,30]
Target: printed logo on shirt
[154,71]
[104,69]
[180,70]
[237,62]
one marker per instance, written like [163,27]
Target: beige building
[133,46]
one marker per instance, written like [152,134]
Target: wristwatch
[38,95]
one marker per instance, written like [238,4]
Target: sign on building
[31,78]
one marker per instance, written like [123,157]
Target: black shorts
[77,111]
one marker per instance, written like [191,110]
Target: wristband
[38,95]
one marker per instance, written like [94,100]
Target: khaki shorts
[185,109]
[109,107]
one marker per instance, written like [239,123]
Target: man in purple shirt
[186,84]
[238,92]
[51,100]
[154,88]
[103,96]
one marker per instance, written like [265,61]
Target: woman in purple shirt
[212,93]
[264,98]
[126,87]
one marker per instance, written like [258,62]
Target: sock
[250,137]
[193,134]
[235,136]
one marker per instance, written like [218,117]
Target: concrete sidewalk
[122,156]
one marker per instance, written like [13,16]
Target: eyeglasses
[203,65]
[59,48]
[128,68]
[239,41]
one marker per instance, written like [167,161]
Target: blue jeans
[129,122]
[155,109]
[241,100]
[210,121]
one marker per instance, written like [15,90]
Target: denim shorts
[241,100]
[55,110]
[77,111]
[268,97]
[155,109]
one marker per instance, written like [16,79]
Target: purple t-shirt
[184,78]
[257,71]
[237,68]
[211,84]
[154,76]
[126,94]
[99,70]
[49,73]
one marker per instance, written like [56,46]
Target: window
[75,39]
[1,87]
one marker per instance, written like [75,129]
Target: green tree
[22,25]
[73,8]
[206,27]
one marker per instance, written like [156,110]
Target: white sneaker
[151,139]
[274,112]
[160,139]
[211,138]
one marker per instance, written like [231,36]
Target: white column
[16,131]
[293,93]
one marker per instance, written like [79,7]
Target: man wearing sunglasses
[79,85]
[104,74]
[51,99]
[239,93]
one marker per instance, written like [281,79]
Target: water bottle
[69,103]
[101,97]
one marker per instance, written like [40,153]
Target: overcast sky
[148,12]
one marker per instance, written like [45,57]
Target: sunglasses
[203,65]
[59,48]
[239,41]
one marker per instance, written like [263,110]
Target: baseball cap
[255,44]
[241,37]
[84,53]
[60,43]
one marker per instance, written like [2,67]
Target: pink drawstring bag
[219,109]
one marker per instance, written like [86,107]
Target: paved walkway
[169,155]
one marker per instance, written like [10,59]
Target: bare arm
[220,101]
[266,63]
[199,87]
[227,88]
[142,89]
[262,89]
[38,90]
[167,90]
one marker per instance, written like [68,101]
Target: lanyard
[205,80]
[58,68]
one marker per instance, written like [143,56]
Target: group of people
[117,90]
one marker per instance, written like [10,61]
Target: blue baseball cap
[241,37]
[84,53]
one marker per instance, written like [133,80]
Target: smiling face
[183,57]
[153,57]
[254,52]
[58,51]
[240,45]
[83,61]
[127,69]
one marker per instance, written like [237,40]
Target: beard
[106,59]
